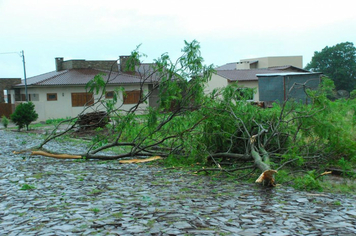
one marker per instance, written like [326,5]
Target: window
[51,97]
[82,99]
[109,94]
[132,97]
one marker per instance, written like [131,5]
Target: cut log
[139,160]
[58,156]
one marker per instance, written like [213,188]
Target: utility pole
[24,73]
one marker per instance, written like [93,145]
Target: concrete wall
[250,84]
[243,65]
[83,64]
[215,82]
[62,108]
[265,62]
[221,82]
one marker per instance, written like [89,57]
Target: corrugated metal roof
[288,74]
[244,75]
[250,74]
[80,77]
[289,68]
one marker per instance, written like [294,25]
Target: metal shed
[283,86]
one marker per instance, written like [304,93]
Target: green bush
[308,182]
[5,121]
[353,94]
[24,114]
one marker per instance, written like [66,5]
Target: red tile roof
[80,77]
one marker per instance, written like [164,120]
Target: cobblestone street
[45,196]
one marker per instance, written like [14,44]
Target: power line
[10,53]
[21,54]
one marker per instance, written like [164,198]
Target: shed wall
[271,88]
[282,87]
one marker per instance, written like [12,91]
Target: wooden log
[139,160]
[58,156]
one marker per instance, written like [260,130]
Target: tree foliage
[24,114]
[337,62]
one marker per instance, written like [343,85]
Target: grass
[41,175]
[337,203]
[83,226]
[150,223]
[37,227]
[185,189]
[95,191]
[21,214]
[344,185]
[27,187]
[117,215]
[38,175]
[94,210]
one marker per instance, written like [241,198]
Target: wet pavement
[45,196]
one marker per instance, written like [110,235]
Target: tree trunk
[267,176]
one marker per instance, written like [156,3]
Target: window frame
[52,99]
[109,92]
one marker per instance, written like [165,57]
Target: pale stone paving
[66,197]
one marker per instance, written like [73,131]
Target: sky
[227,30]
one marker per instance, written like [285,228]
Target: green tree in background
[24,114]
[338,63]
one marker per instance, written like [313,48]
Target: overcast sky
[228,30]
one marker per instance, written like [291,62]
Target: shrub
[353,94]
[5,121]
[24,114]
[308,182]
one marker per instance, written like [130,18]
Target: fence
[6,109]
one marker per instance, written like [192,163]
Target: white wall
[215,82]
[220,82]
[62,108]
[250,84]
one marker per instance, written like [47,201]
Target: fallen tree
[160,130]
[221,129]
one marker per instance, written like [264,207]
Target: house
[62,93]
[246,78]
[245,72]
